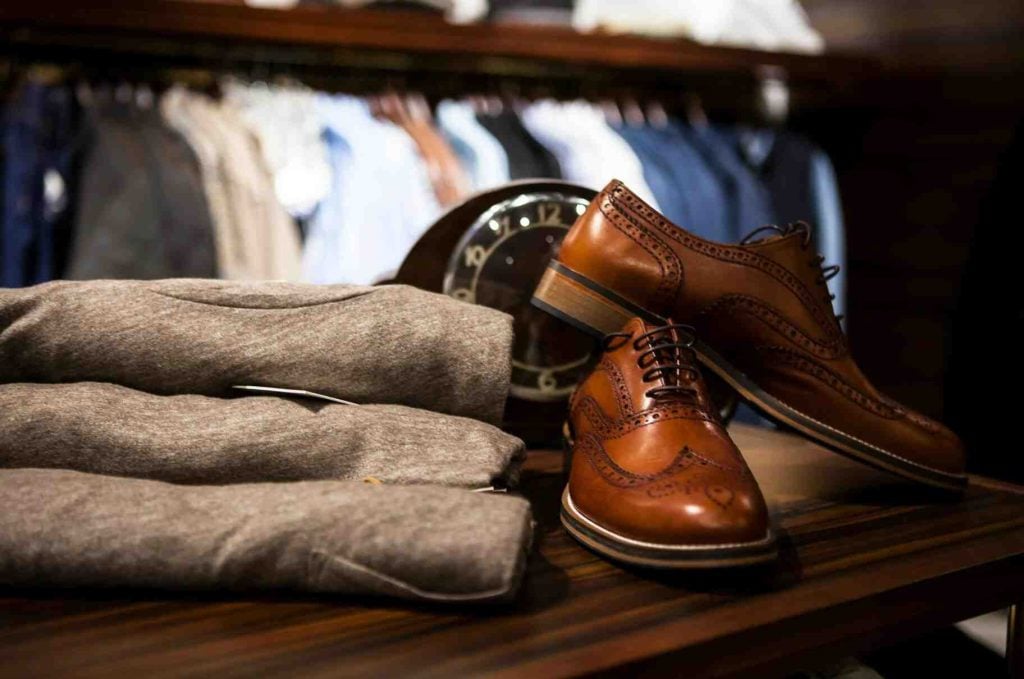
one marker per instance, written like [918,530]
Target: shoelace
[825,273]
[663,357]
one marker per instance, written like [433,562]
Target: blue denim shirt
[380,202]
[748,203]
[39,143]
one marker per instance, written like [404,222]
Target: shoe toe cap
[933,445]
[680,513]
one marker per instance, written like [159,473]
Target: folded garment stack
[130,458]
[389,344]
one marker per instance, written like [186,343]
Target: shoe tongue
[676,360]
[665,356]
[661,336]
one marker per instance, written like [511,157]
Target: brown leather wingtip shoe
[655,479]
[765,319]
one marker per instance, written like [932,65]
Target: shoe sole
[618,547]
[598,311]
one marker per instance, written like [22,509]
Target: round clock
[498,262]
[492,249]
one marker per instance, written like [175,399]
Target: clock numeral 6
[463,294]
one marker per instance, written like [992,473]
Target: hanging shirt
[40,144]
[700,194]
[176,111]
[255,237]
[777,25]
[588,150]
[829,216]
[801,182]
[527,157]
[747,202]
[657,172]
[141,212]
[380,203]
[285,121]
[482,155]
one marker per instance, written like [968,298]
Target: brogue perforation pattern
[619,382]
[883,408]
[832,348]
[624,201]
[604,465]
[608,428]
[668,260]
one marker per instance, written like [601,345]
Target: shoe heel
[577,300]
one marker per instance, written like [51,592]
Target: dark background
[928,173]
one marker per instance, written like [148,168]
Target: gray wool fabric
[386,344]
[110,429]
[68,528]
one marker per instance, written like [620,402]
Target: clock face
[498,263]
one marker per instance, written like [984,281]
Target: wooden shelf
[866,561]
[478,47]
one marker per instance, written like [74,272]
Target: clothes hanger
[657,116]
[632,113]
[612,113]
[773,96]
[696,116]
[511,96]
[495,106]
[391,106]
[418,108]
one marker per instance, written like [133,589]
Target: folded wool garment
[66,528]
[110,429]
[386,344]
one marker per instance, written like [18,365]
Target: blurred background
[318,141]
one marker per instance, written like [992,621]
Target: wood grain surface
[409,32]
[866,561]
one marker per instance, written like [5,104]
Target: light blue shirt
[829,218]
[589,152]
[380,201]
[481,154]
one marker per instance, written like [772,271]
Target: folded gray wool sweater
[66,528]
[387,344]
[109,429]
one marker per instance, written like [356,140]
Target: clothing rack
[357,51]
[158,43]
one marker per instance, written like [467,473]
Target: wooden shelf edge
[412,32]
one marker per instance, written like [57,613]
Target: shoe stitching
[926,423]
[725,253]
[611,472]
[873,405]
[831,349]
[785,406]
[593,525]
[883,451]
[606,427]
[625,402]
[671,278]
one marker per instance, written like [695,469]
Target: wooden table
[866,561]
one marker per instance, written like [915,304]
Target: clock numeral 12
[549,214]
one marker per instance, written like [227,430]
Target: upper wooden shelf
[402,32]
